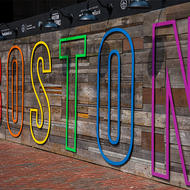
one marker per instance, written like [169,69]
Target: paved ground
[23,167]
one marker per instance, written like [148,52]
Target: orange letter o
[14,61]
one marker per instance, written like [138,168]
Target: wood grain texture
[139,28]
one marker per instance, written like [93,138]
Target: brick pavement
[23,167]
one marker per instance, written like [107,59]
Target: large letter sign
[40,59]
[64,40]
[118,102]
[15,62]
[169,102]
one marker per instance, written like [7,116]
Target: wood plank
[159,142]
[179,96]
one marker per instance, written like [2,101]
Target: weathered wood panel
[139,28]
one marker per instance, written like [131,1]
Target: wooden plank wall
[140,29]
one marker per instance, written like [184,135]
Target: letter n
[169,102]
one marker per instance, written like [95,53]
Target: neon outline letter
[169,101]
[132,97]
[14,61]
[40,59]
[67,88]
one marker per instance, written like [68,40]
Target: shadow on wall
[64,64]
[160,57]
[104,60]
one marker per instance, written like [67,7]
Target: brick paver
[23,167]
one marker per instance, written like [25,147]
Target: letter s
[40,59]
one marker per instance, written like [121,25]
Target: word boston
[40,67]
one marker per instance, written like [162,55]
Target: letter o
[15,120]
[114,163]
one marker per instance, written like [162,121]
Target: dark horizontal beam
[29,26]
